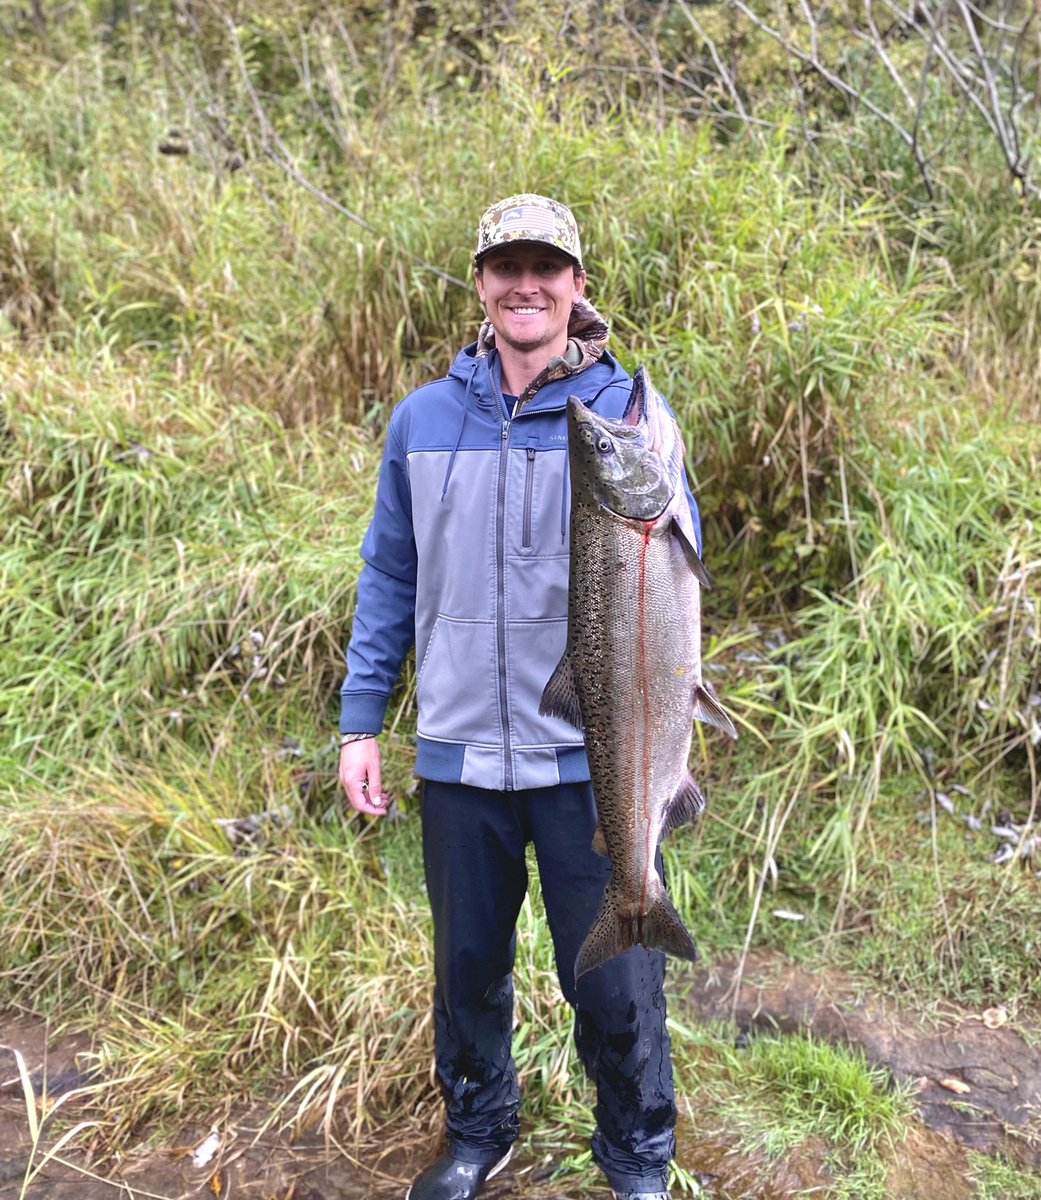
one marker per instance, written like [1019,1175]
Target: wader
[474,851]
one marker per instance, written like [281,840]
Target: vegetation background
[232,236]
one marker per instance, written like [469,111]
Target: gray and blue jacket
[467,556]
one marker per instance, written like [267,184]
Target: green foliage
[996,1179]
[197,354]
[822,1090]
[161,583]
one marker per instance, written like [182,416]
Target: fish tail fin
[619,926]
[663,930]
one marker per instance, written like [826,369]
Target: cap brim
[480,257]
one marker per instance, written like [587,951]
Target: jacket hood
[587,342]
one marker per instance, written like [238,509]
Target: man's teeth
[524,312]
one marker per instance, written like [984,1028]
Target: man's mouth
[525,312]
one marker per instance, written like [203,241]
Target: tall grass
[197,355]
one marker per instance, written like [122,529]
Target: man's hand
[360,777]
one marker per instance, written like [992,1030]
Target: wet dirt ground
[977,1082]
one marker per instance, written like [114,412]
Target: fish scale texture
[635,651]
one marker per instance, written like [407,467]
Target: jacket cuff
[363,712]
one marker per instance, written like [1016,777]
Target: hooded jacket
[467,556]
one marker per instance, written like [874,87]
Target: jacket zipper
[500,589]
[500,569]
[529,487]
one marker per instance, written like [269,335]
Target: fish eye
[604,445]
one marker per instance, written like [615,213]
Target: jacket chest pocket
[529,488]
[536,501]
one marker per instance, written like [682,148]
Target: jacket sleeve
[384,616]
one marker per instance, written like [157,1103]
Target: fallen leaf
[959,1086]
[994,1018]
[215,1183]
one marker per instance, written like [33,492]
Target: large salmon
[631,673]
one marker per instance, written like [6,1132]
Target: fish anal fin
[708,709]
[619,926]
[600,842]
[560,696]
[690,552]
[685,807]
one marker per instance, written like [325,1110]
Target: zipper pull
[505,430]
[531,454]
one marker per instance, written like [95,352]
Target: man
[467,556]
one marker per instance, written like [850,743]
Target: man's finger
[359,798]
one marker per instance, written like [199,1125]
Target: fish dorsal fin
[685,807]
[708,709]
[690,552]
[560,696]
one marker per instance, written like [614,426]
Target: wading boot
[450,1179]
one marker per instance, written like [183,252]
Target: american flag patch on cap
[538,220]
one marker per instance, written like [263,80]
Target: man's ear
[479,280]
[580,283]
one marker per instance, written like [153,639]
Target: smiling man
[467,557]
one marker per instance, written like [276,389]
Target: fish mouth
[645,408]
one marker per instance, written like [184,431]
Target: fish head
[630,466]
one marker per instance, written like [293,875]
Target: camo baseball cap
[529,218]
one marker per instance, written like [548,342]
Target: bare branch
[840,85]
[879,45]
[1008,139]
[725,75]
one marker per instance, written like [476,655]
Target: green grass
[996,1179]
[790,1096]
[821,1090]
[195,366]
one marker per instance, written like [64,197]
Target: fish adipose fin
[560,697]
[690,552]
[619,926]
[600,842]
[685,807]
[708,709]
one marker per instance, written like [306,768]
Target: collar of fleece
[587,333]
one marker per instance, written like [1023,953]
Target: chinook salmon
[631,676]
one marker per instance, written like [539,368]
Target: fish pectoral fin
[560,696]
[600,842]
[708,709]
[685,807]
[690,552]
[619,925]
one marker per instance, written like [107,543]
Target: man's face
[527,291]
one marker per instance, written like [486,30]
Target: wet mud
[976,1076]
